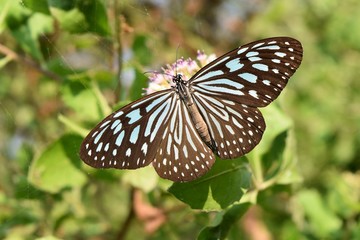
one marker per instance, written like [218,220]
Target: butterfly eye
[181,129]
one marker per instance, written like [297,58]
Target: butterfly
[181,129]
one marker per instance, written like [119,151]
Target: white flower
[186,67]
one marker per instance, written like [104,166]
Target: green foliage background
[67,64]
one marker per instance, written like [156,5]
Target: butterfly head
[177,79]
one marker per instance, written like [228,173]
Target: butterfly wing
[235,128]
[156,128]
[127,139]
[253,74]
[229,90]
[181,155]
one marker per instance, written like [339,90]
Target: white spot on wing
[210,75]
[254,59]
[258,45]
[234,65]
[118,128]
[229,128]
[100,135]
[242,50]
[271,47]
[266,82]
[280,54]
[118,114]
[134,116]
[144,148]
[275,60]
[106,148]
[98,149]
[185,151]
[134,135]
[128,152]
[252,54]
[114,152]
[254,94]
[261,67]
[105,123]
[120,138]
[248,77]
[115,123]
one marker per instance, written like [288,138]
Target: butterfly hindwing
[182,155]
[235,128]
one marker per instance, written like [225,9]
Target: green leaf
[222,226]
[4,61]
[37,5]
[73,20]
[141,49]
[5,7]
[276,150]
[48,238]
[276,123]
[26,28]
[58,166]
[273,161]
[16,16]
[145,178]
[140,82]
[224,184]
[322,221]
[82,100]
[62,4]
[24,190]
[95,15]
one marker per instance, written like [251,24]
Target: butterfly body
[180,129]
[184,92]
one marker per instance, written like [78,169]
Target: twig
[131,214]
[8,52]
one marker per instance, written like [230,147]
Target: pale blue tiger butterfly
[180,129]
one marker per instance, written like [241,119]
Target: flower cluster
[186,67]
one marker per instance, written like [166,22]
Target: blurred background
[64,65]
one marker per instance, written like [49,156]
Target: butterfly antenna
[177,51]
[156,72]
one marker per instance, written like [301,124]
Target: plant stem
[118,50]
[131,214]
[11,54]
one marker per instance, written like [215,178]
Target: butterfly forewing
[181,155]
[128,138]
[253,74]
